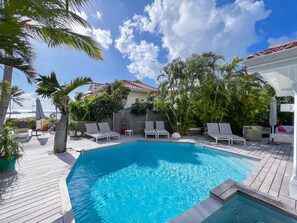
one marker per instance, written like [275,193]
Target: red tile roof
[274,49]
[132,85]
[138,86]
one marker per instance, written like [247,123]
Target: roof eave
[271,61]
[139,90]
[279,69]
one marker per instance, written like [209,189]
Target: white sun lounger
[92,131]
[214,132]
[104,128]
[160,129]
[149,129]
[225,129]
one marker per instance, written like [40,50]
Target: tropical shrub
[9,144]
[82,110]
[204,88]
[140,107]
[94,108]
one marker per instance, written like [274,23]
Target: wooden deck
[31,193]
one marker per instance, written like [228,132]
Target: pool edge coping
[68,216]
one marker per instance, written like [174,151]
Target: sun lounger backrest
[160,125]
[149,125]
[213,128]
[104,127]
[225,128]
[92,128]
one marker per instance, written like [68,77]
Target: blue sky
[138,37]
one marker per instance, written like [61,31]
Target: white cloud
[103,37]
[143,55]
[98,15]
[282,39]
[188,26]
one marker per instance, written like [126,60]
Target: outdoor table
[129,132]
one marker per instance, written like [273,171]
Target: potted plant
[10,149]
[32,124]
[45,125]
[71,128]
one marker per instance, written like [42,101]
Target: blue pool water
[240,209]
[148,181]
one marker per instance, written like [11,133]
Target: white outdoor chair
[160,129]
[92,131]
[104,128]
[225,129]
[214,132]
[149,129]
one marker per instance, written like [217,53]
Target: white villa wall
[133,95]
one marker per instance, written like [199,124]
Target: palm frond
[47,85]
[77,82]
[19,64]
[77,4]
[63,19]
[16,91]
[16,94]
[58,37]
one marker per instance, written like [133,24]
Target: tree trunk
[7,78]
[61,134]
[10,108]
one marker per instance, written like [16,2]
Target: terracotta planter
[7,165]
[33,127]
[45,128]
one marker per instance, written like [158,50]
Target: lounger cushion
[281,129]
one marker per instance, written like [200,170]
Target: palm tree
[16,98]
[46,21]
[49,87]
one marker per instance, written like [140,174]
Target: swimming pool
[148,181]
